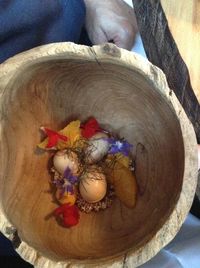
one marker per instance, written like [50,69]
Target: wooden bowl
[53,84]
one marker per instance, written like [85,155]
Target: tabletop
[170,32]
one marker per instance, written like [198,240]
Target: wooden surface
[53,84]
[184,23]
[168,45]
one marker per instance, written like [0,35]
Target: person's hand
[110,21]
[198,156]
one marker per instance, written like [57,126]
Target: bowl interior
[54,91]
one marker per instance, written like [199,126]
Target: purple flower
[66,184]
[71,178]
[69,189]
[58,183]
[119,146]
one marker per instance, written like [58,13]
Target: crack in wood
[95,57]
[124,265]
[16,241]
[13,236]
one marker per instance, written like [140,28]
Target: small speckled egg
[66,159]
[97,148]
[93,185]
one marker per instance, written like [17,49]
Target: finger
[125,37]
[98,37]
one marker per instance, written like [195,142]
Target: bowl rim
[112,54]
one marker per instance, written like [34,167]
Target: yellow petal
[73,132]
[43,144]
[66,198]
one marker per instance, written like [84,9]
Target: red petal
[53,137]
[90,128]
[58,211]
[70,221]
[92,123]
[70,214]
[52,141]
[62,137]
[49,132]
[88,133]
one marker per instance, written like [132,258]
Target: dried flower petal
[64,185]
[73,132]
[64,138]
[66,198]
[71,178]
[90,128]
[53,138]
[69,214]
[119,146]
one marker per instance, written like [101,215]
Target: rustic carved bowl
[56,83]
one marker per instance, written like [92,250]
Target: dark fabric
[195,209]
[25,24]
[6,247]
[13,262]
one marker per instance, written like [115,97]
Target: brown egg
[93,185]
[97,148]
[66,159]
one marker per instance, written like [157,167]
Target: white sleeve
[129,2]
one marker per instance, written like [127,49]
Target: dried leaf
[124,183]
[122,159]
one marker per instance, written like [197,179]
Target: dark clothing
[25,24]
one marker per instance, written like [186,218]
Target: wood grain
[162,50]
[184,23]
[54,84]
